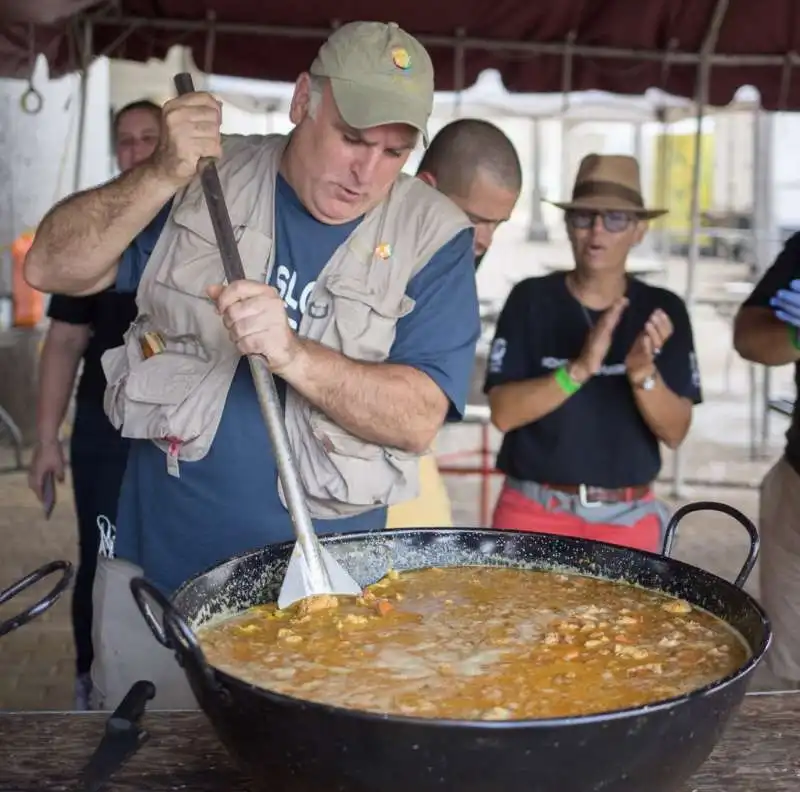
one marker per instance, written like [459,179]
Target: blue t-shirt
[228,503]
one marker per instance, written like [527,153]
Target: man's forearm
[383,403]
[666,414]
[79,242]
[760,337]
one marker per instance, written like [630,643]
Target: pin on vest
[383,251]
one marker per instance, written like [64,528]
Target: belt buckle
[583,498]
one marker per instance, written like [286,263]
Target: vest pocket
[152,398]
[364,321]
[352,471]
[156,398]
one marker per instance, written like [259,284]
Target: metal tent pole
[459,72]
[703,77]
[86,60]
[537,230]
[468,43]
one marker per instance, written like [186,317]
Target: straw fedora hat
[611,182]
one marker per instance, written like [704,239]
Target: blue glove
[786,304]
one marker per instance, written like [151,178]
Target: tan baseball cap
[379,74]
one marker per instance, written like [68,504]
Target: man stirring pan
[369,322]
[476,166]
[589,372]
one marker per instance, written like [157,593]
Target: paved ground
[36,662]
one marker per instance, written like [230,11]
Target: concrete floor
[36,662]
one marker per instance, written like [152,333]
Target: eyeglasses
[614,222]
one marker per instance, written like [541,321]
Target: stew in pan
[480,643]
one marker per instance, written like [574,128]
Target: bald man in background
[475,165]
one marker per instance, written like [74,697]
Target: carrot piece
[384,606]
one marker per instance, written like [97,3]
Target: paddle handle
[268,399]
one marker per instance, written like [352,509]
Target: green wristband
[565,381]
[793,336]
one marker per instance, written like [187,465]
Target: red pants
[516,512]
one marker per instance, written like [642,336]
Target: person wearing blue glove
[766,331]
[786,304]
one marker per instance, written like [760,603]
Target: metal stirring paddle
[312,570]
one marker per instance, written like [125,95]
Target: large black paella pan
[293,745]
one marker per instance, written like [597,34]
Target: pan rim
[757,653]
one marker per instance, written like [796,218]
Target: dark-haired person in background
[476,166]
[82,328]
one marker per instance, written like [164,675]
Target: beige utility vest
[175,398]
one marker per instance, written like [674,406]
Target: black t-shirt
[109,314]
[783,271]
[597,437]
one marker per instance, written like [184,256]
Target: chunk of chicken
[677,606]
[317,602]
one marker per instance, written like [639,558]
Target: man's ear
[428,178]
[298,109]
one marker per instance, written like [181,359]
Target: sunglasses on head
[613,221]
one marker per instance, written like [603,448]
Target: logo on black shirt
[496,355]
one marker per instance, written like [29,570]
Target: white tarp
[489,97]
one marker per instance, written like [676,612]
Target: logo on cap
[383,251]
[401,58]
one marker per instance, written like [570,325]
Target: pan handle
[724,508]
[173,632]
[45,602]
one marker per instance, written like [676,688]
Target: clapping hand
[599,339]
[648,344]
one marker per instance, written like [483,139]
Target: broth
[478,643]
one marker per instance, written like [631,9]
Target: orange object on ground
[28,302]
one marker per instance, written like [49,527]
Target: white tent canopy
[489,97]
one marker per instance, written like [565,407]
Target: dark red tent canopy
[624,46]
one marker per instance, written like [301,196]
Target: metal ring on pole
[31,101]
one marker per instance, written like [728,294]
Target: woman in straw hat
[589,372]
